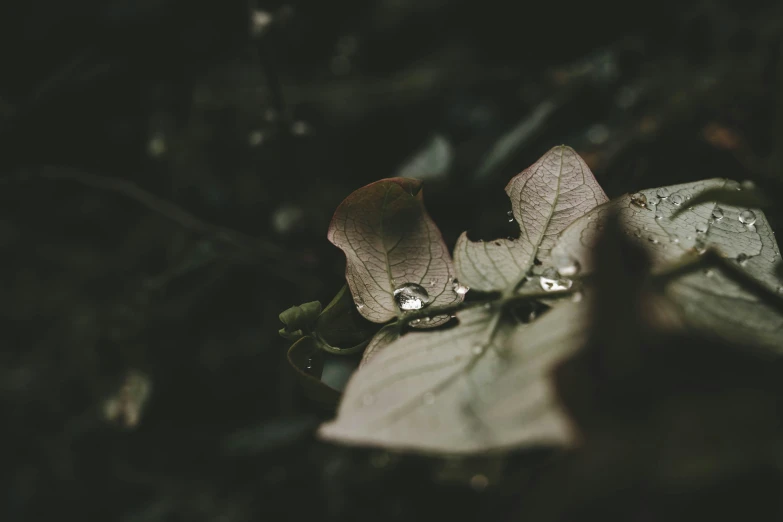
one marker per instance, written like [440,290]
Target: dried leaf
[389,241]
[708,299]
[545,198]
[478,387]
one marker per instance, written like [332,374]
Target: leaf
[731,193]
[305,353]
[299,320]
[708,300]
[384,337]
[340,324]
[481,386]
[389,240]
[545,198]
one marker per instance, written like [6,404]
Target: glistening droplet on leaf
[747,217]
[742,259]
[717,214]
[662,193]
[551,281]
[676,200]
[411,296]
[458,288]
[566,265]
[658,214]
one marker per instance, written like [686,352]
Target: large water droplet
[411,296]
[359,303]
[551,281]
[742,259]
[662,193]
[717,214]
[747,217]
[458,288]
[676,200]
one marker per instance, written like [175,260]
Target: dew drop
[717,214]
[510,215]
[432,282]
[411,296]
[551,281]
[652,240]
[428,398]
[742,259]
[732,185]
[566,265]
[701,228]
[653,201]
[658,214]
[747,217]
[359,303]
[477,349]
[677,200]
[458,288]
[662,193]
[415,322]
[674,238]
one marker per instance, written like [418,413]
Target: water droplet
[428,398]
[653,201]
[510,215]
[717,214]
[411,296]
[747,217]
[368,399]
[477,349]
[701,228]
[658,214]
[687,196]
[566,265]
[415,322]
[639,199]
[432,282]
[309,365]
[676,200]
[652,240]
[742,259]
[551,281]
[709,272]
[359,303]
[732,185]
[458,288]
[674,238]
[662,193]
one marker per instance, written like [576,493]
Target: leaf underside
[389,240]
[545,198]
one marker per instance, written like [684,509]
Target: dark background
[168,177]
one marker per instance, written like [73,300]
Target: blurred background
[168,171]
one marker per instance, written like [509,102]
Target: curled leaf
[299,320]
[545,198]
[391,244]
